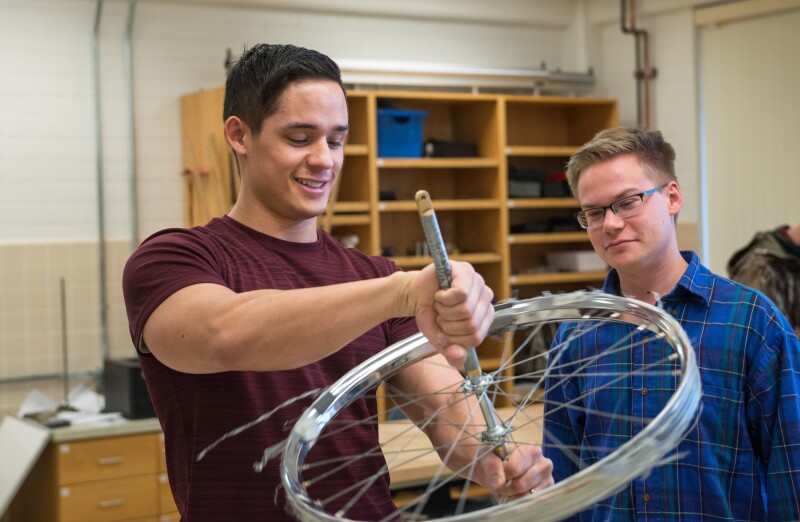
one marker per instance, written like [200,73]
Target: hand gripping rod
[495,433]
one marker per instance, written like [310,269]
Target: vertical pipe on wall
[101,218]
[643,72]
[134,193]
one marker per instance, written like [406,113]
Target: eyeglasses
[625,207]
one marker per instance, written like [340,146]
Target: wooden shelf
[351,206]
[437,163]
[545,151]
[356,149]
[548,238]
[441,204]
[543,203]
[343,220]
[475,258]
[553,278]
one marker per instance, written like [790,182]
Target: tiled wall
[31,312]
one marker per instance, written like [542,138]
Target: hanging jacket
[771,263]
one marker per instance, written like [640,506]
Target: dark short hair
[258,78]
[656,156]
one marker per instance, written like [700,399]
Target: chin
[620,261]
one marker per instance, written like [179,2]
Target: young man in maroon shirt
[233,318]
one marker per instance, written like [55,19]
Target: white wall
[46,124]
[47,139]
[46,95]
[751,73]
[674,105]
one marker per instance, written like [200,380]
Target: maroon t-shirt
[196,410]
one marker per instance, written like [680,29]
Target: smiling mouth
[312,184]
[617,243]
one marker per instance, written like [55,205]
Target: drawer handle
[107,461]
[105,504]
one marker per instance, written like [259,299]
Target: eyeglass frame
[610,207]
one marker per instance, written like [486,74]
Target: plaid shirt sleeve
[773,411]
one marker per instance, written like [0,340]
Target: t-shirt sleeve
[162,265]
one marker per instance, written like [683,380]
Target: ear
[674,197]
[237,134]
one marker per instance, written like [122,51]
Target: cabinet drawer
[107,458]
[166,500]
[118,499]
[162,454]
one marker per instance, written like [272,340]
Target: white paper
[36,402]
[84,407]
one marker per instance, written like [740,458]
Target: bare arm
[208,328]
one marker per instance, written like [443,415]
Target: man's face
[640,241]
[293,163]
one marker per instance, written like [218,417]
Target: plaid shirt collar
[696,280]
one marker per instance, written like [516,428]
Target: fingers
[464,312]
[455,318]
[526,470]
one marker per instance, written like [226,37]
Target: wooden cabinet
[467,192]
[541,134]
[99,478]
[351,211]
[113,478]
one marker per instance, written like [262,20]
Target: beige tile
[12,266]
[31,311]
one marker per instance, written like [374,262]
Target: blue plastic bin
[400,133]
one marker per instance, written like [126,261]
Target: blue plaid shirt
[741,461]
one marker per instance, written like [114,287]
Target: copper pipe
[643,72]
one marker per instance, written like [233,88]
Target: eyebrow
[620,195]
[301,125]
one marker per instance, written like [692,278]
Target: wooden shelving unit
[541,134]
[470,195]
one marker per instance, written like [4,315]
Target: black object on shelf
[525,183]
[125,389]
[529,228]
[556,186]
[564,225]
[450,149]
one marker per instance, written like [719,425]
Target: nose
[321,156]
[611,221]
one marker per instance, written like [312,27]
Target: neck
[652,283]
[276,226]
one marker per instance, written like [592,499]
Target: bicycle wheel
[646,327]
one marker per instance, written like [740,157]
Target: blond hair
[656,156]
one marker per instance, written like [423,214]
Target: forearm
[430,395]
[269,329]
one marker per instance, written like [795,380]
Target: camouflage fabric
[771,263]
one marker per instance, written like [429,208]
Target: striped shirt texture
[195,410]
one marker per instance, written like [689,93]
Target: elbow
[225,349]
